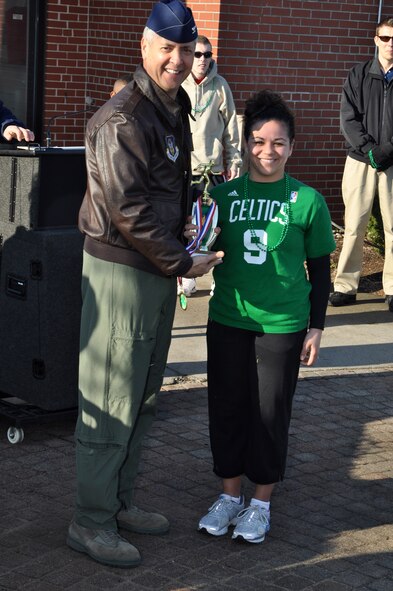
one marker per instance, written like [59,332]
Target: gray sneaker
[253,523]
[104,546]
[141,522]
[221,514]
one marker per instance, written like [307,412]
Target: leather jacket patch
[172,151]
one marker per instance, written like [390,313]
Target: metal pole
[379,10]
[378,20]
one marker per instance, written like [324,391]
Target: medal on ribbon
[205,218]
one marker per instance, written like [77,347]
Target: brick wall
[67,44]
[115,33]
[300,48]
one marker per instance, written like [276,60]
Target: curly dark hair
[265,106]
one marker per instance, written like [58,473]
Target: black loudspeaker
[40,307]
[40,188]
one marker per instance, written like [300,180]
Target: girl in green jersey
[265,318]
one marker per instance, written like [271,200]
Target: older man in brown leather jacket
[136,204]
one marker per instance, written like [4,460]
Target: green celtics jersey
[267,289]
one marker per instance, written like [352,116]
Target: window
[22,34]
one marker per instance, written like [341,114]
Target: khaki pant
[127,318]
[360,184]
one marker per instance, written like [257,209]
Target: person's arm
[319,276]
[119,160]
[351,115]
[381,157]
[12,128]
[230,138]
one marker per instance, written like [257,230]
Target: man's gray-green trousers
[127,317]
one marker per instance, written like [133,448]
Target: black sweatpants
[251,382]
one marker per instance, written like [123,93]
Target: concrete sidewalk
[332,519]
[358,336]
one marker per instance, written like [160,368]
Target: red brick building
[300,48]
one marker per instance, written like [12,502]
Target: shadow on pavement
[331,518]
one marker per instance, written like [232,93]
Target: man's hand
[381,157]
[202,263]
[18,133]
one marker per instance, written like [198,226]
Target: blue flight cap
[172,20]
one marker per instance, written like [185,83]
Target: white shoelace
[254,513]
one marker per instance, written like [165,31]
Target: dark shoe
[142,522]
[342,299]
[104,546]
[389,300]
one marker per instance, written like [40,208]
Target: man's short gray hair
[149,35]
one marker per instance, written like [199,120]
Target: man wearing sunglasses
[367,124]
[214,127]
[213,123]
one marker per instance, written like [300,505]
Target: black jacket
[7,118]
[366,115]
[138,175]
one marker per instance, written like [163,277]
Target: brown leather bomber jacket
[138,175]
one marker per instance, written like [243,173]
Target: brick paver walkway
[331,518]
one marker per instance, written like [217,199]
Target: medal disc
[183,301]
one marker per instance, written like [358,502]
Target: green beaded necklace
[202,108]
[288,213]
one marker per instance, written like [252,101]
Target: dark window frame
[36,66]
